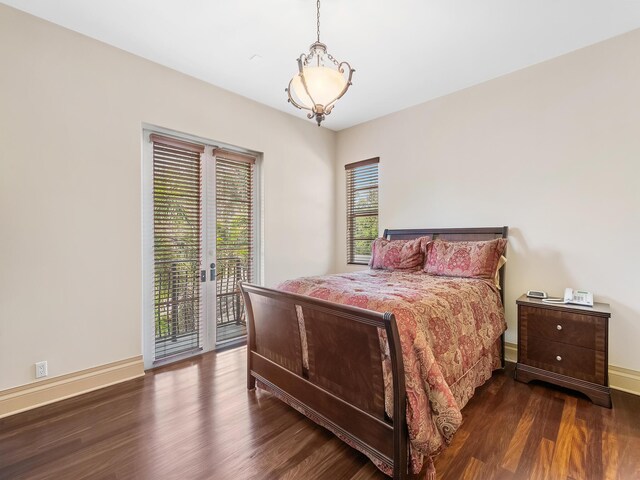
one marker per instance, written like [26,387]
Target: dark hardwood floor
[196,420]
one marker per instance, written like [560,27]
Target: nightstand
[566,345]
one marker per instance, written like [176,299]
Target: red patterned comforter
[447,328]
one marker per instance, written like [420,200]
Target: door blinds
[177,245]
[234,237]
[362,209]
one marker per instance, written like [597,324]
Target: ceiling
[405,52]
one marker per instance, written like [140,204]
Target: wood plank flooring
[196,420]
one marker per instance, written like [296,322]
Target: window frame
[351,188]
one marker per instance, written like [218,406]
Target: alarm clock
[536,294]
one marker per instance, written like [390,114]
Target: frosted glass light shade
[324,85]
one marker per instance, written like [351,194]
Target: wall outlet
[42,369]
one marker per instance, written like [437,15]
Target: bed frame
[343,387]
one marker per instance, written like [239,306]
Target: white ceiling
[405,52]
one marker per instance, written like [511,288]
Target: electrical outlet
[42,369]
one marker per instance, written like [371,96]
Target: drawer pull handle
[559,358]
[559,327]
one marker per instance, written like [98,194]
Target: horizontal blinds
[235,156]
[177,218]
[362,209]
[178,143]
[234,239]
[234,212]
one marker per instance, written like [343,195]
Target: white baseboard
[26,397]
[624,379]
[620,378]
[510,352]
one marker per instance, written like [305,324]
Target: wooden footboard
[340,384]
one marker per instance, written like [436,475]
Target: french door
[235,235]
[199,243]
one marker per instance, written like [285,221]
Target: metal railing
[230,308]
[177,306]
[177,303]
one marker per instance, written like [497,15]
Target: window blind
[177,226]
[234,237]
[362,209]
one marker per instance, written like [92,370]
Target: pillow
[501,263]
[464,259]
[398,254]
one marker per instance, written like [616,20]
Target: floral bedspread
[447,326]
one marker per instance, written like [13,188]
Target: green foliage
[364,228]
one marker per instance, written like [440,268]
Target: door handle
[213,271]
[203,275]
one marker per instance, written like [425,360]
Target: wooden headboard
[452,235]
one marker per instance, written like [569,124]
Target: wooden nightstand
[566,345]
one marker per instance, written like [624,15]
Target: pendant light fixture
[321,80]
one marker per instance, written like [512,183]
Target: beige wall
[71,115]
[552,151]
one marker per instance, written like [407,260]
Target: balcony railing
[230,321]
[177,306]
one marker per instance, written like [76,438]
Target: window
[362,209]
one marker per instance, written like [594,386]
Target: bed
[383,359]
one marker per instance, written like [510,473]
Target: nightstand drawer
[578,362]
[565,327]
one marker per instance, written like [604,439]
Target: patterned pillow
[464,259]
[398,254]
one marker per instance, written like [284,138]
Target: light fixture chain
[318,9]
[330,57]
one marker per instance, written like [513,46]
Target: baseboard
[620,378]
[624,379]
[26,397]
[510,352]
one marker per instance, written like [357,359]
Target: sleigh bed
[383,359]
